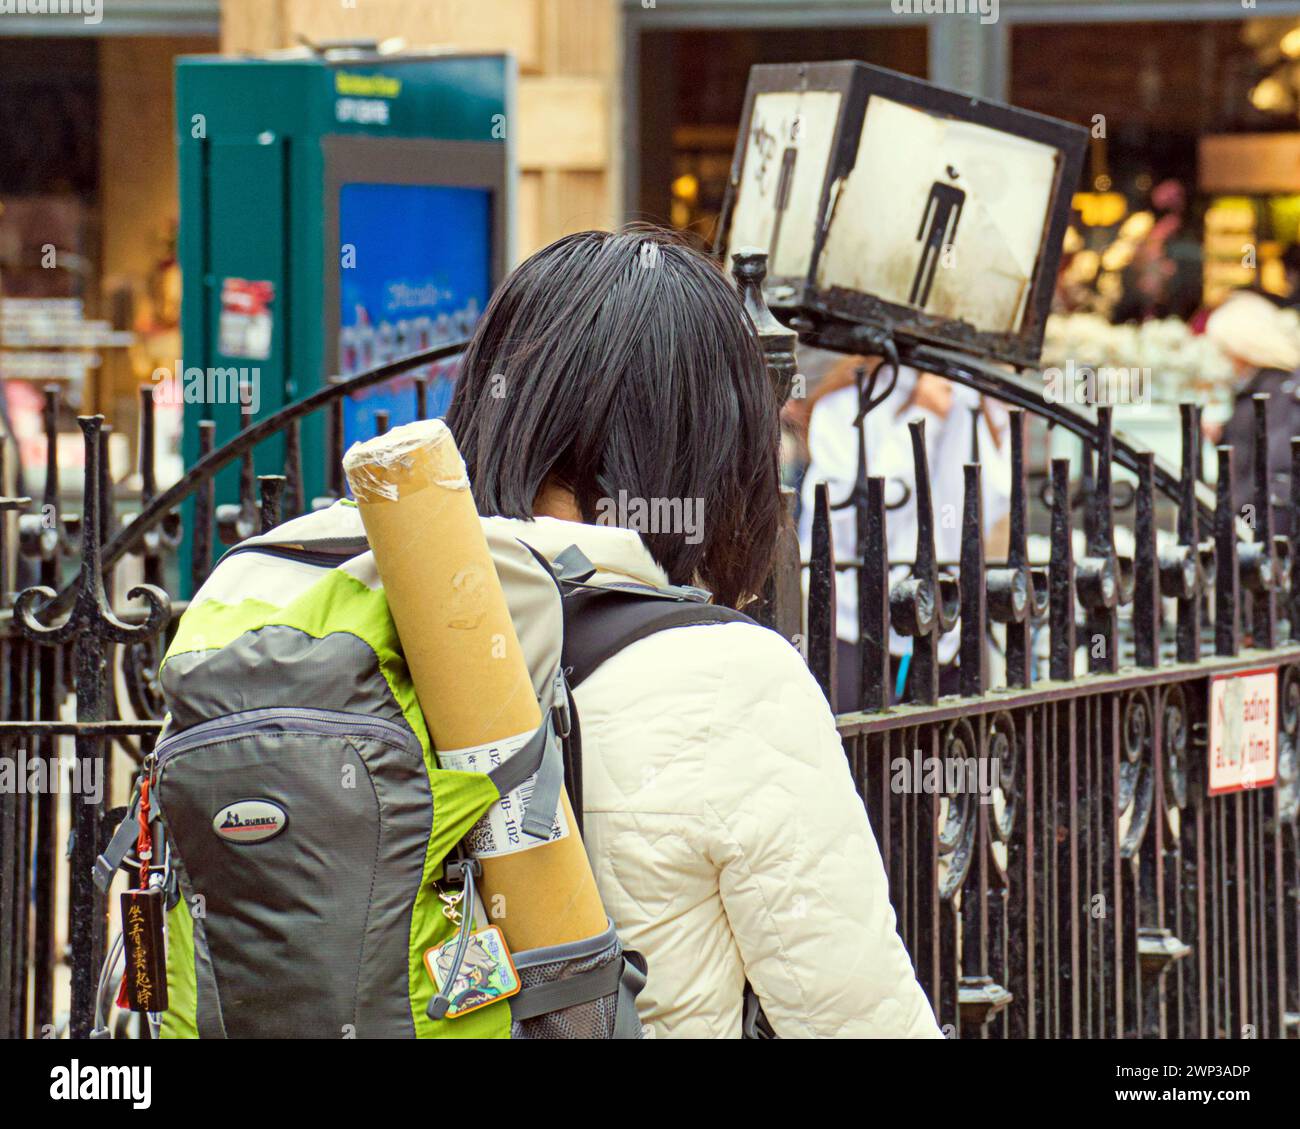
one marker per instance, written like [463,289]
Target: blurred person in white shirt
[952,413]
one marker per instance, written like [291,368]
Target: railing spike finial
[1146,593]
[974,619]
[421,396]
[1181,572]
[50,425]
[166,536]
[293,468]
[334,445]
[50,535]
[924,606]
[271,493]
[1088,491]
[749,269]
[107,508]
[1104,581]
[873,597]
[146,455]
[1105,507]
[91,612]
[822,606]
[204,511]
[237,521]
[1061,576]
[7,506]
[925,550]
[1227,617]
[1294,577]
[1259,558]
[1012,598]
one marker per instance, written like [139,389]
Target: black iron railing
[1088,884]
[64,646]
[1071,877]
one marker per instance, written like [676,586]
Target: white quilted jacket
[726,836]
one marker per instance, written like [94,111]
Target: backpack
[309,844]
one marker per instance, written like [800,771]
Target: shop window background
[692,94]
[1159,87]
[49,159]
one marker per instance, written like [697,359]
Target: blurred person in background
[1291,275]
[815,367]
[1164,277]
[953,415]
[1263,344]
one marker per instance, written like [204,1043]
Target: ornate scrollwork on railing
[1157,945]
[1175,737]
[957,836]
[1288,752]
[1004,751]
[865,380]
[91,611]
[50,534]
[141,661]
[141,665]
[974,876]
[1136,770]
[203,472]
[926,604]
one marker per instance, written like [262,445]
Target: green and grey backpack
[312,854]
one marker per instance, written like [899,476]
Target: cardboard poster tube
[468,669]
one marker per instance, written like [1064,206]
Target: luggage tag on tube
[144,985]
[486,975]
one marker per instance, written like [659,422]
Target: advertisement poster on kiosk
[415,273]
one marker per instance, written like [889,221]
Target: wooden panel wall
[137,196]
[568,62]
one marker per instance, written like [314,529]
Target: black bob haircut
[624,366]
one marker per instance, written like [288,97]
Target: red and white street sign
[1243,731]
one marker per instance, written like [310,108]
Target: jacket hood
[618,554]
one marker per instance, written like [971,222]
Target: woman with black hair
[615,398]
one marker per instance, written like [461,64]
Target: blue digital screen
[415,272]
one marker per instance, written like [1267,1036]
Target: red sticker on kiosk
[245,327]
[1243,731]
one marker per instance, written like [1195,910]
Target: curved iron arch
[161,505]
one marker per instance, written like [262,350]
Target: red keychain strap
[144,842]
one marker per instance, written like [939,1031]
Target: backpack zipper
[307,721]
[308,556]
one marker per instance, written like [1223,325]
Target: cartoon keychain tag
[487,974]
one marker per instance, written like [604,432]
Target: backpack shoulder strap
[601,622]
[598,624]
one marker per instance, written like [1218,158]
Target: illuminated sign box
[887,202]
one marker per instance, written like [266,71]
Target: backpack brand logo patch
[249,821]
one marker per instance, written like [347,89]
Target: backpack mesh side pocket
[599,961]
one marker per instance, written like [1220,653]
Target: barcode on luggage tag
[500,831]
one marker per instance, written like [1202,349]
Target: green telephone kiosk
[338,209]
